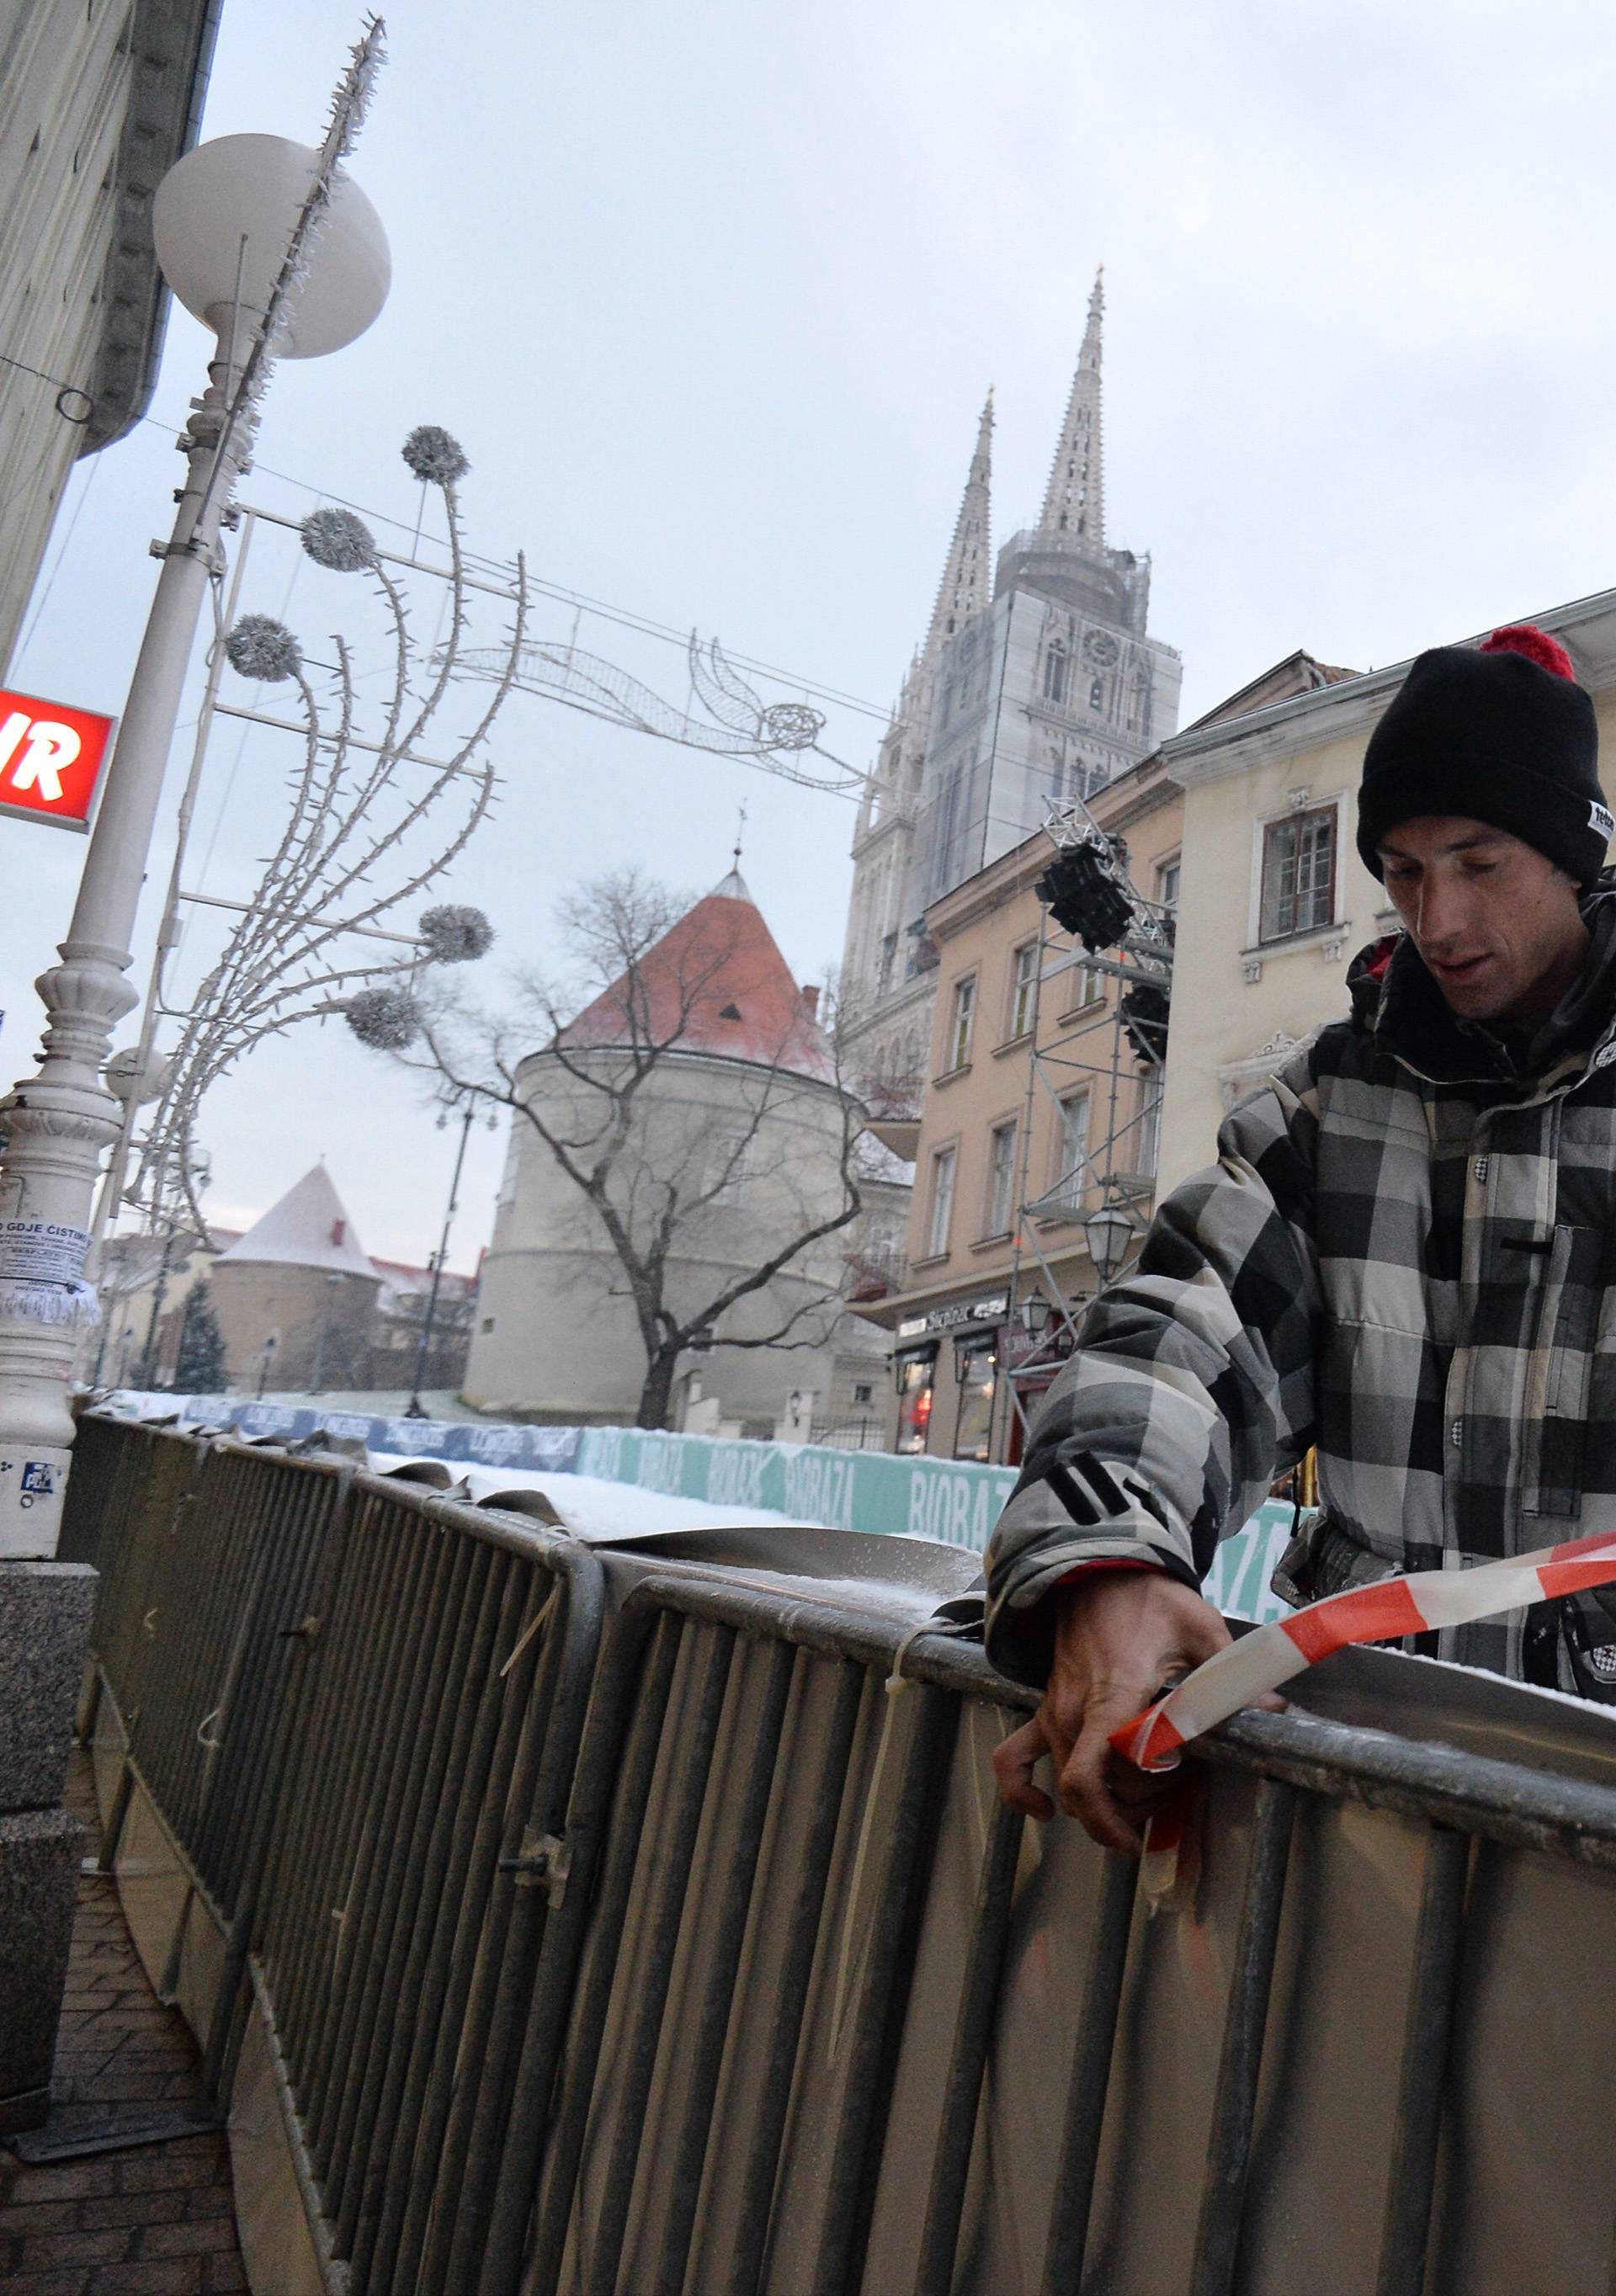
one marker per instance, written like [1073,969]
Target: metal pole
[61,1118]
[167,932]
[415,1408]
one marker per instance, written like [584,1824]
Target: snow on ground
[595,1509]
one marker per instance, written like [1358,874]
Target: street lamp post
[414,1408]
[227,219]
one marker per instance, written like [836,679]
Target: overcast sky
[712,294]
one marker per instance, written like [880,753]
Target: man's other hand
[1120,1637]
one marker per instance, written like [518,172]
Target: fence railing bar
[1427,2036]
[1090,2078]
[445,1621]
[790,1992]
[702,2056]
[669,1883]
[973,2035]
[1234,2100]
[282,1732]
[300,1955]
[449,1803]
[385,2030]
[475,1810]
[544,1924]
[468,2082]
[621,1742]
[421,1619]
[876,2023]
[378,1673]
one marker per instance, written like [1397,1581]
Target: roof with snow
[309,1227]
[715,983]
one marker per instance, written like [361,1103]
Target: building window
[942,1201]
[1097,693]
[1299,873]
[916,1385]
[960,1023]
[1055,665]
[977,1368]
[1023,989]
[1071,1152]
[1001,1177]
[1090,987]
[488,1322]
[1167,884]
[862,1392]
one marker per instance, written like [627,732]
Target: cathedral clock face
[1101,648]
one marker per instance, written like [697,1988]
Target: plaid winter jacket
[1405,1255]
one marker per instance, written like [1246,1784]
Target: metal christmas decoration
[378,813]
[455,934]
[388,1020]
[434,456]
[259,647]
[338,539]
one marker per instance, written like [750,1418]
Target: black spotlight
[1144,1011]
[1084,891]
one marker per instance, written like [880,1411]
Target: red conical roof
[715,983]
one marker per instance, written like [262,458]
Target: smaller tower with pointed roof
[296,1296]
[704,1126]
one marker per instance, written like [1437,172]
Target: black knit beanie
[1504,734]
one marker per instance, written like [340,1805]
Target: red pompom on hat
[1536,645]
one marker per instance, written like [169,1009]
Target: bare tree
[659,1175]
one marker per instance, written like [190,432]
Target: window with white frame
[960,1020]
[1167,884]
[1148,1131]
[1023,988]
[1088,986]
[1001,1177]
[1299,873]
[942,1201]
[1071,1175]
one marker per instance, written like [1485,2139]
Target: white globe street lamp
[1110,1231]
[228,221]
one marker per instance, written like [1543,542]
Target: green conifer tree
[200,1369]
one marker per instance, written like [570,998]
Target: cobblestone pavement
[153,2221]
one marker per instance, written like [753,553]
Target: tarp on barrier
[956,1501]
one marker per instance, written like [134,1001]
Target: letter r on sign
[50,747]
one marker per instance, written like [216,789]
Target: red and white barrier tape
[1412,1604]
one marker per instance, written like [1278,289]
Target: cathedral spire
[1074,507]
[964,588]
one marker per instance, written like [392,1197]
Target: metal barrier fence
[621,1928]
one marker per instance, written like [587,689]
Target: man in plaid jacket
[1404,1255]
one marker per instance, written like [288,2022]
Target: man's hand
[1120,1635]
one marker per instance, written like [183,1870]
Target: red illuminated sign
[50,759]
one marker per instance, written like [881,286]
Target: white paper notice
[42,1251]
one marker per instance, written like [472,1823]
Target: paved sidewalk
[155,2220]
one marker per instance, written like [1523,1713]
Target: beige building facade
[1274,899]
[98,98]
[1037,1101]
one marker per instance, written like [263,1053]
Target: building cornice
[1335,713]
[171,49]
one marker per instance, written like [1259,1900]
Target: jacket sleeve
[1191,1386]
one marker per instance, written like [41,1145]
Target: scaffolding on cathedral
[1092,917]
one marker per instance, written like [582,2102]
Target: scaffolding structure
[1114,1049]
